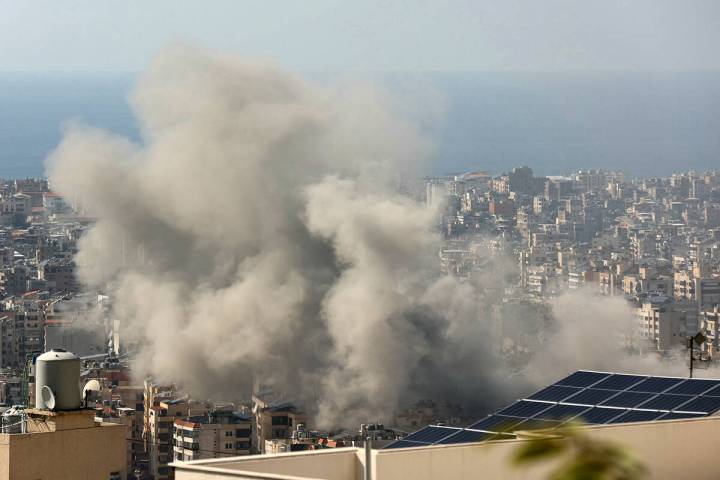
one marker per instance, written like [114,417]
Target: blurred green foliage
[580,457]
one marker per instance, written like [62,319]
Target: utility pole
[700,338]
[690,347]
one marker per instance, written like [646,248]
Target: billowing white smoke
[254,234]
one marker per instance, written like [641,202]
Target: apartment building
[275,421]
[222,432]
[666,324]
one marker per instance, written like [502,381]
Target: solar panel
[561,412]
[591,396]
[599,415]
[627,399]
[713,392]
[701,404]
[655,384]
[467,436]
[496,423]
[665,401]
[525,409]
[405,444]
[637,416]
[619,382]
[679,415]
[694,386]
[582,379]
[554,393]
[431,434]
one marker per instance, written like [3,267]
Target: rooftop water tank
[57,381]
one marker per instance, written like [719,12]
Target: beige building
[275,422]
[64,446]
[669,449]
[159,435]
[666,324]
[218,434]
[157,428]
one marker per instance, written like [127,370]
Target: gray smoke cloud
[255,234]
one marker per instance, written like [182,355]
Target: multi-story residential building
[709,319]
[275,421]
[220,433]
[666,324]
[58,274]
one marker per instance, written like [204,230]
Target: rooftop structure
[669,449]
[587,397]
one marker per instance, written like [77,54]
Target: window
[281,421]
[229,433]
[242,432]
[228,446]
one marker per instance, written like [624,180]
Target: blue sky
[122,35]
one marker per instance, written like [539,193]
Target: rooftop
[589,397]
[669,449]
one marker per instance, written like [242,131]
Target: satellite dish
[48,397]
[90,388]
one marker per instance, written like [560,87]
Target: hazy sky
[71,35]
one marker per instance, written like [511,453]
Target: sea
[643,123]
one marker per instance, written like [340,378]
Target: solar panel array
[587,397]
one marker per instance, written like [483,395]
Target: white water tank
[57,381]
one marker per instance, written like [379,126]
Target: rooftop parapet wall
[669,449]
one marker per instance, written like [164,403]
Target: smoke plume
[255,235]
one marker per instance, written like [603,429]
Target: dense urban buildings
[654,243]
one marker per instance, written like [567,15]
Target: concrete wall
[329,464]
[670,450]
[78,454]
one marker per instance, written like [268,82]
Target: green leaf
[538,449]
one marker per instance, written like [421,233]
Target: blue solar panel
[713,392]
[599,415]
[405,444]
[582,379]
[679,415]
[655,384]
[591,396]
[619,382]
[694,386]
[701,404]
[665,401]
[496,423]
[431,434]
[637,416]
[627,399]
[561,412]
[525,409]
[467,436]
[554,393]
